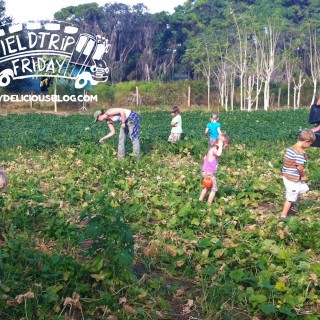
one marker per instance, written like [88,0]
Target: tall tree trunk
[208,91]
[232,90]
[289,91]
[266,94]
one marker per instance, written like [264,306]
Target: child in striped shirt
[293,173]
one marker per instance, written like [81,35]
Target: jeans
[122,141]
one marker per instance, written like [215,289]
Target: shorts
[174,137]
[214,182]
[294,189]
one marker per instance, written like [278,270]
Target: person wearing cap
[130,123]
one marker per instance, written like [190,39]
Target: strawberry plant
[86,236]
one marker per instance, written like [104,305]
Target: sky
[28,10]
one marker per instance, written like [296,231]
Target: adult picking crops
[130,124]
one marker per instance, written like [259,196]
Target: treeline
[252,52]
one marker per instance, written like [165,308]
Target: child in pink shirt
[210,165]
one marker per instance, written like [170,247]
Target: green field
[87,236]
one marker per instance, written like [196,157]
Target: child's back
[213,129]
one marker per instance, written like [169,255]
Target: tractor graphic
[82,55]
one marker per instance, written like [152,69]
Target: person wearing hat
[130,123]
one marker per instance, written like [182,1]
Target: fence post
[137,96]
[189,95]
[279,97]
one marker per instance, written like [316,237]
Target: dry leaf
[170,249]
[281,234]
[222,268]
[152,249]
[122,300]
[160,315]
[314,278]
[74,301]
[180,263]
[287,230]
[187,308]
[251,227]
[130,309]
[29,295]
[214,277]
[11,303]
[179,293]
[21,297]
[67,301]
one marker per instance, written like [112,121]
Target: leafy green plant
[110,238]
[130,239]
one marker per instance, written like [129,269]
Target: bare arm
[207,133]
[302,173]
[110,134]
[123,119]
[118,112]
[174,124]
[218,152]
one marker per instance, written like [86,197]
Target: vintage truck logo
[53,49]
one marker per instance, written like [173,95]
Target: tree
[314,61]
[268,40]
[298,83]
[289,64]
[4,19]
[239,57]
[243,46]
[199,55]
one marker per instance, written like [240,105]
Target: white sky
[28,10]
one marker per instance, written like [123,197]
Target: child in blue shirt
[213,129]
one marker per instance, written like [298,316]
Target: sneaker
[294,208]
[285,218]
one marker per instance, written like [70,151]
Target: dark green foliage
[112,243]
[161,41]
[105,92]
